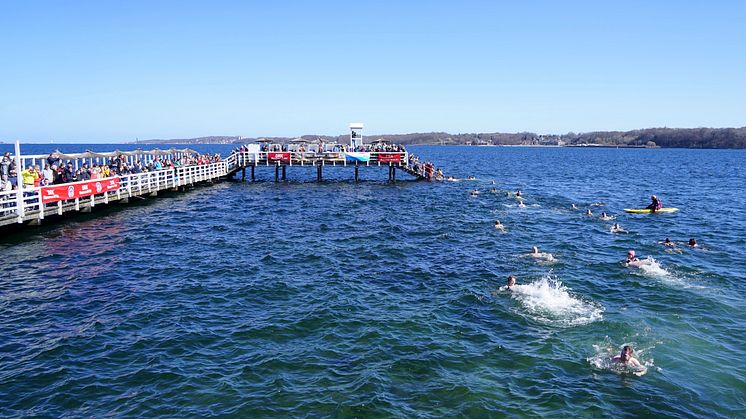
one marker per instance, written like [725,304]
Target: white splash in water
[548,301]
[651,268]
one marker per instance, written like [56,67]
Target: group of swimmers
[626,357]
[669,243]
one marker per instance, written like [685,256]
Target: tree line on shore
[649,137]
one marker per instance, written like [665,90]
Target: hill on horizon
[648,137]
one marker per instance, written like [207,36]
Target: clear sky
[119,70]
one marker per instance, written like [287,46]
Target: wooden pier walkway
[32,205]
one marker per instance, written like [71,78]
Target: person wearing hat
[655,205]
[632,260]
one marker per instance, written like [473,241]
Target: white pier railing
[34,203]
[19,205]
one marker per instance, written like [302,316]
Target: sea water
[383,299]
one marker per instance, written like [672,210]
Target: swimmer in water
[474,192]
[539,255]
[605,217]
[668,243]
[632,260]
[518,194]
[616,228]
[521,205]
[588,213]
[511,283]
[471,178]
[493,190]
[597,204]
[500,226]
[692,243]
[627,358]
[573,206]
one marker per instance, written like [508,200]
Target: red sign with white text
[389,157]
[78,189]
[284,157]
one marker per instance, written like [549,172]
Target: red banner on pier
[389,157]
[78,189]
[283,157]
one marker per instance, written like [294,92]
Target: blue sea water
[383,299]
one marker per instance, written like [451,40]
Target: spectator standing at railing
[5,162]
[38,176]
[68,174]
[84,173]
[5,184]
[53,159]
[29,175]
[95,172]
[47,175]
[13,174]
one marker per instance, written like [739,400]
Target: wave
[549,301]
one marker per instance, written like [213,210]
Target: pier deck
[32,205]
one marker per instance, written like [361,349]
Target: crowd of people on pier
[321,147]
[425,169]
[54,170]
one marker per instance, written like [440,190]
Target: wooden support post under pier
[243,175]
[252,173]
[357,168]
[277,173]
[284,175]
[318,173]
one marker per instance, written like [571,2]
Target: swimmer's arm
[633,362]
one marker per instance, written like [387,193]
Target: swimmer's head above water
[626,354]
[511,281]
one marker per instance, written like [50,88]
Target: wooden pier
[32,205]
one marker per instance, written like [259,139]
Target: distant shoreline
[722,138]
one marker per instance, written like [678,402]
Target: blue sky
[120,70]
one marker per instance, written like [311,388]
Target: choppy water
[376,299]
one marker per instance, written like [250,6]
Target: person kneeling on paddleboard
[655,205]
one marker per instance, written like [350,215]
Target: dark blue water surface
[379,299]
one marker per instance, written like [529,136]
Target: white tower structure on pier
[356,134]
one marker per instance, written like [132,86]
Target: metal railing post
[19,182]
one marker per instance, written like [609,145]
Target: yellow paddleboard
[647,211]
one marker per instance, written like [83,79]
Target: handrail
[242,159]
[130,184]
[27,200]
